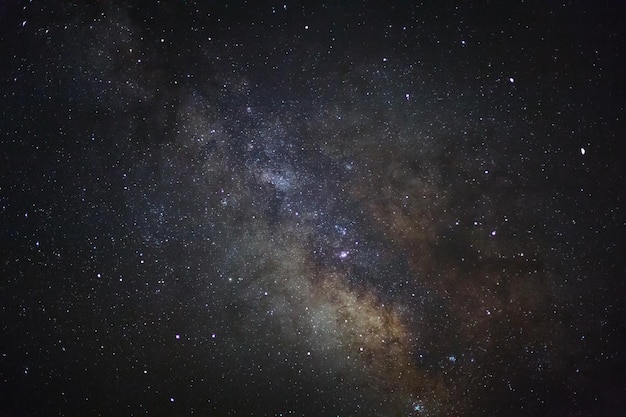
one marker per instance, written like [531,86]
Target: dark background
[314,209]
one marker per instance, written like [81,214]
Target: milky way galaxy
[333,209]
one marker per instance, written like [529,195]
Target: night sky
[312,208]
